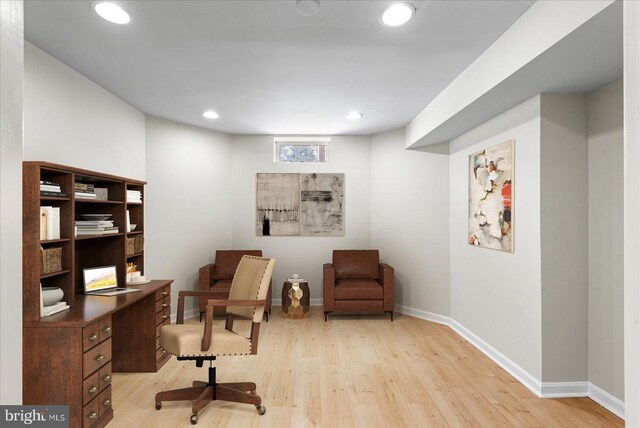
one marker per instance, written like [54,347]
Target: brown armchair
[219,275]
[356,281]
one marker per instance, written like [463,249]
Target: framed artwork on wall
[300,204]
[491,173]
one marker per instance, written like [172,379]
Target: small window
[301,149]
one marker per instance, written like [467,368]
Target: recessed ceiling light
[210,114]
[112,12]
[307,7]
[397,14]
[354,115]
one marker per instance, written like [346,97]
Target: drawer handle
[164,317]
[107,402]
[164,293]
[93,389]
[93,337]
[164,305]
[99,357]
[106,378]
[164,351]
[107,329]
[93,415]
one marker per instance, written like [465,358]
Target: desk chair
[247,299]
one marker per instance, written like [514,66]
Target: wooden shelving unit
[77,252]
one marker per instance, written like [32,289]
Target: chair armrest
[192,293]
[208,322]
[387,281]
[329,285]
[205,281]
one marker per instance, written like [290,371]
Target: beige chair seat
[185,340]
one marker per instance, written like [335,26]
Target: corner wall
[497,295]
[187,202]
[296,254]
[606,239]
[410,222]
[70,120]
[11,125]
[564,237]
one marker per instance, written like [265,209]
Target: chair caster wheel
[194,419]
[158,405]
[261,409]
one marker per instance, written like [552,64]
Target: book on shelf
[48,193]
[295,280]
[84,187]
[83,195]
[49,223]
[134,197]
[128,229]
[47,311]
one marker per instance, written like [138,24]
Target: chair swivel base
[202,393]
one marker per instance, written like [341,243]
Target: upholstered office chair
[204,343]
[217,276]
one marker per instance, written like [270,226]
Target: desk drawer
[159,326]
[97,357]
[160,353]
[105,328]
[90,388]
[105,400]
[90,336]
[90,413]
[104,376]
[165,315]
[163,292]
[163,304]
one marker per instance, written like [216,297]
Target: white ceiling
[264,68]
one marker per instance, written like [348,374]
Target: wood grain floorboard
[356,371]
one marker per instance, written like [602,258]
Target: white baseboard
[606,400]
[564,389]
[541,389]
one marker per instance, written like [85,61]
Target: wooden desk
[68,358]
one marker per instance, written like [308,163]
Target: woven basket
[51,260]
[134,245]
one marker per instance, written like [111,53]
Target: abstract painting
[278,205]
[491,173]
[300,204]
[322,204]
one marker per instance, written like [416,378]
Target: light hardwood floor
[356,371]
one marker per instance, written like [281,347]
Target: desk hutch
[68,358]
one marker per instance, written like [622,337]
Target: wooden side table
[295,300]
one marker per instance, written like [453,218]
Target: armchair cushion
[226,262]
[185,340]
[358,289]
[352,264]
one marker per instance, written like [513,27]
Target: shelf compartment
[57,273]
[85,237]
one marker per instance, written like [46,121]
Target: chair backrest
[227,262]
[251,282]
[356,264]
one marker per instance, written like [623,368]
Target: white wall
[70,120]
[303,255]
[606,239]
[494,294]
[187,201]
[564,236]
[11,89]
[632,212]
[410,221]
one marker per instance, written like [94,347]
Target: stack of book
[85,191]
[49,223]
[48,188]
[134,197]
[95,227]
[46,311]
